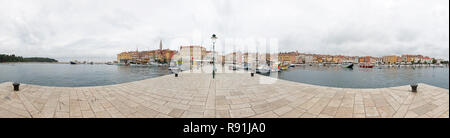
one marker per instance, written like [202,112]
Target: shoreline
[44,63]
[277,79]
[34,62]
[241,71]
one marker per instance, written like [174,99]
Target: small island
[14,58]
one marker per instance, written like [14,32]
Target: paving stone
[229,95]
[176,112]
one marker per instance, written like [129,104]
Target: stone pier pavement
[231,95]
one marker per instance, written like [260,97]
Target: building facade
[193,54]
[390,59]
[289,57]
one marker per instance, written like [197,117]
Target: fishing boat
[347,65]
[283,66]
[139,65]
[132,64]
[366,65]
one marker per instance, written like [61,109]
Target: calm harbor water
[336,76]
[66,75]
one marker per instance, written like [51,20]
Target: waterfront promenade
[230,95]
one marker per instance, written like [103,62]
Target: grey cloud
[67,29]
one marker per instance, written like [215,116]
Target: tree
[14,58]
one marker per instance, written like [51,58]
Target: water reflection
[76,75]
[336,76]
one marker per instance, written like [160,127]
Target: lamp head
[214,37]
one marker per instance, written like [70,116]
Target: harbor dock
[229,95]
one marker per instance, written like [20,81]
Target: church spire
[160,45]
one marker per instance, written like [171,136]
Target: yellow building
[146,56]
[319,60]
[337,59]
[124,57]
[390,59]
[329,59]
[290,57]
[284,58]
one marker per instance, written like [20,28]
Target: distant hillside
[14,58]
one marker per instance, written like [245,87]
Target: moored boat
[123,64]
[263,69]
[348,65]
[366,66]
[275,70]
[283,66]
[175,69]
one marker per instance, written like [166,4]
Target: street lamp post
[214,38]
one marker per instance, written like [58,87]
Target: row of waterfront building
[195,54]
[162,55]
[296,57]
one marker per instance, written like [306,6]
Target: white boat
[263,69]
[275,70]
[140,65]
[175,69]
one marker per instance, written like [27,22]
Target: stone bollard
[176,74]
[414,87]
[252,74]
[16,86]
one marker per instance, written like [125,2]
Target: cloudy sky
[99,29]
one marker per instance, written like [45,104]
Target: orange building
[390,59]
[290,57]
[366,59]
[163,56]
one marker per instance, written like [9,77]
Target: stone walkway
[238,95]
